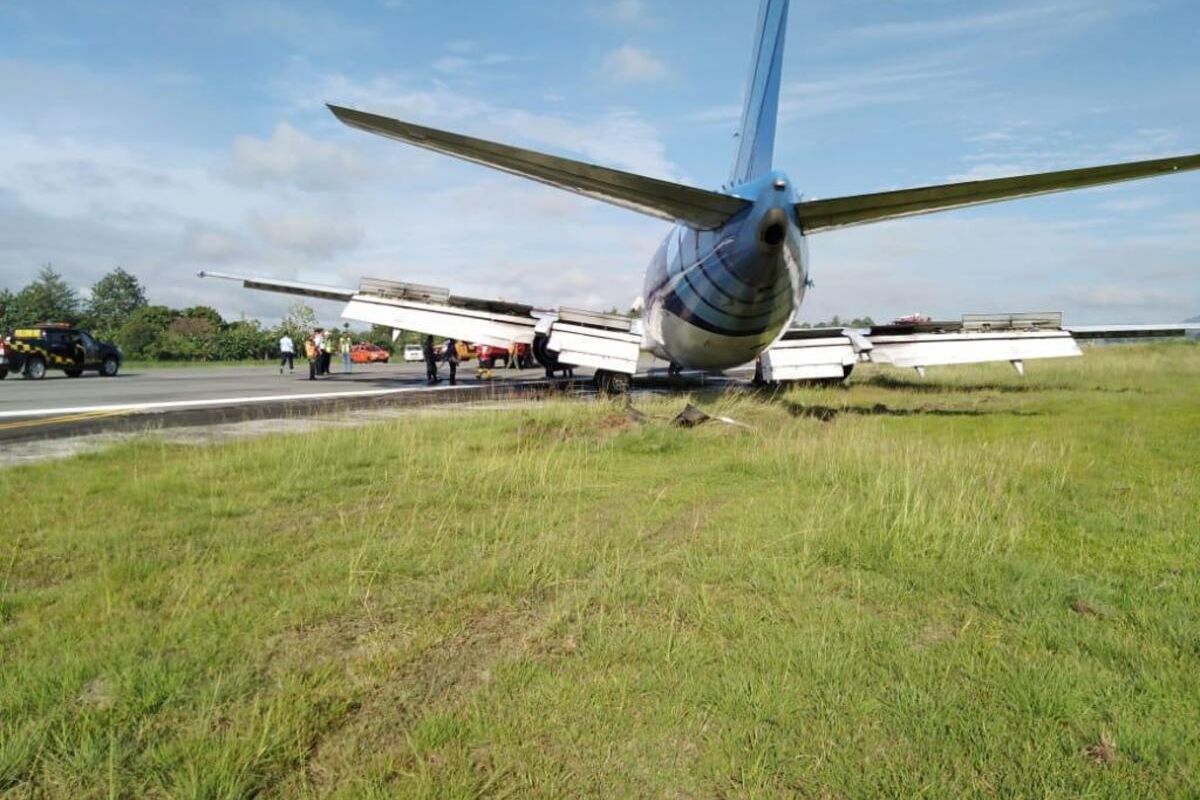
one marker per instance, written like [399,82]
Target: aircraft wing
[815,216]
[284,287]
[561,336]
[658,198]
[831,353]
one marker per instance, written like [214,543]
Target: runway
[58,406]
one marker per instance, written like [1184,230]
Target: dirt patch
[346,638]
[96,693]
[440,677]
[1103,752]
[829,413]
[1083,608]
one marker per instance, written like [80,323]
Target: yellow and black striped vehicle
[34,349]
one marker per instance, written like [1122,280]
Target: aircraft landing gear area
[607,382]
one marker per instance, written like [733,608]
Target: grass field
[975,585]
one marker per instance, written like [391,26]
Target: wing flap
[822,215]
[658,198]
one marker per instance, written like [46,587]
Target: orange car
[368,354]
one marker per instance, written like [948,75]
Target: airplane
[726,283]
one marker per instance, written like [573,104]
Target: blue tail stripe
[756,139]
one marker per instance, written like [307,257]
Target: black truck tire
[3,373]
[35,368]
[109,367]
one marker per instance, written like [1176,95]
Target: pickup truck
[33,350]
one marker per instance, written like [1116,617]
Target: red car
[489,356]
[368,354]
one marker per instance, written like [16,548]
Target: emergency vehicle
[49,345]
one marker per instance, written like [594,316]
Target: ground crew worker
[287,352]
[452,359]
[344,345]
[318,338]
[326,352]
[313,354]
[431,370]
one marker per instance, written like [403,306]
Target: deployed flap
[451,322]
[922,350]
[663,199]
[820,215]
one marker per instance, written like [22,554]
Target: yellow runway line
[40,421]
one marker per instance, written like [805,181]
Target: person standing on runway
[313,354]
[318,339]
[344,345]
[327,352]
[287,354]
[431,369]
[452,359]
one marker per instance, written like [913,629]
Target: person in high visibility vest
[326,352]
[312,354]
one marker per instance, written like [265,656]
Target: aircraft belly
[694,347]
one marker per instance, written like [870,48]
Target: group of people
[449,354]
[319,347]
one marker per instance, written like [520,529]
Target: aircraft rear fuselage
[715,299]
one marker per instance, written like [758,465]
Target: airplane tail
[756,139]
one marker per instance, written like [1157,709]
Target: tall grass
[969,585]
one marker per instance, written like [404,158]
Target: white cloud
[629,64]
[309,234]
[291,157]
[1124,296]
[618,138]
[868,86]
[1071,15]
[624,12]
[303,29]
[992,260]
[1133,204]
[213,245]
[463,66]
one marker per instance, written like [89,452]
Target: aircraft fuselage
[715,299]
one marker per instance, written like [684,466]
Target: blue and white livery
[726,283]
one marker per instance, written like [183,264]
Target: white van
[413,352]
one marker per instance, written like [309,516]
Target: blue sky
[169,137]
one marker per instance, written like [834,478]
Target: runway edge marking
[214,402]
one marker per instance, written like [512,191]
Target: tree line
[117,310]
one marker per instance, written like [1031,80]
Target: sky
[169,137]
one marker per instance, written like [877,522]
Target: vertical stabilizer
[756,139]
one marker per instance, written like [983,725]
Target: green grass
[974,585]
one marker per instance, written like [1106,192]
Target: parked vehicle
[413,352]
[48,345]
[489,356]
[368,353]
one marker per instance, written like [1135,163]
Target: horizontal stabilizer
[658,198]
[821,215]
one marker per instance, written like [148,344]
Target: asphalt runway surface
[200,384]
[57,406]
